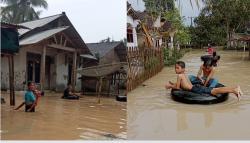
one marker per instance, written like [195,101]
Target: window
[157,43]
[130,36]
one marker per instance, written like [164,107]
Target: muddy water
[152,114]
[61,119]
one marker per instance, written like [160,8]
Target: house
[112,57]
[143,30]
[108,52]
[132,23]
[49,54]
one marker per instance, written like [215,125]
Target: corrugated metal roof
[102,48]
[41,36]
[88,56]
[11,25]
[101,70]
[37,23]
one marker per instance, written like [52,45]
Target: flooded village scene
[157,112]
[125,70]
[74,68]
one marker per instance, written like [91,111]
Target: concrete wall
[58,72]
[19,70]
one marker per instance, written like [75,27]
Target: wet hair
[181,64]
[215,59]
[29,83]
[208,63]
[210,60]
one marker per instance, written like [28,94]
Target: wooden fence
[143,64]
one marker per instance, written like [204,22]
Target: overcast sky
[186,8]
[98,19]
[93,19]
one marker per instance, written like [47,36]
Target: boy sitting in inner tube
[208,70]
[184,83]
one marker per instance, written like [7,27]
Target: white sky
[185,8]
[93,19]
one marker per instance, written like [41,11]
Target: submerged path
[60,119]
[152,114]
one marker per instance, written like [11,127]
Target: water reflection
[61,119]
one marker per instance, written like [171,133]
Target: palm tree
[18,11]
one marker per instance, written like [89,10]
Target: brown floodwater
[60,119]
[152,114]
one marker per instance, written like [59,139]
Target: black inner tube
[71,97]
[194,98]
[121,98]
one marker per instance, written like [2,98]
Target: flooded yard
[60,119]
[152,114]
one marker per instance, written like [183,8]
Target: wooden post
[248,43]
[118,85]
[74,67]
[11,80]
[42,79]
[99,90]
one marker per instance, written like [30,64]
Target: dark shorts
[201,89]
[27,107]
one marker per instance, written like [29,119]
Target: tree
[233,14]
[218,20]
[156,7]
[18,11]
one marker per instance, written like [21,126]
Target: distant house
[132,23]
[136,35]
[49,54]
[108,52]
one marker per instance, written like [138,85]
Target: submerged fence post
[11,80]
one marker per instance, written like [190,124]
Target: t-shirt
[210,50]
[29,98]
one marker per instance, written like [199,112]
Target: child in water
[184,83]
[208,70]
[31,98]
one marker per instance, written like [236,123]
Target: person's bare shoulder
[180,75]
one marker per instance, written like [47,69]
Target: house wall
[61,72]
[58,71]
[134,24]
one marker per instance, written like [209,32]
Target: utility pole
[191,18]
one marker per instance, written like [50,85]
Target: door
[33,67]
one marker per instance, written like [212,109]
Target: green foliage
[176,55]
[183,36]
[174,17]
[18,11]
[182,33]
[157,7]
[152,63]
[218,20]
